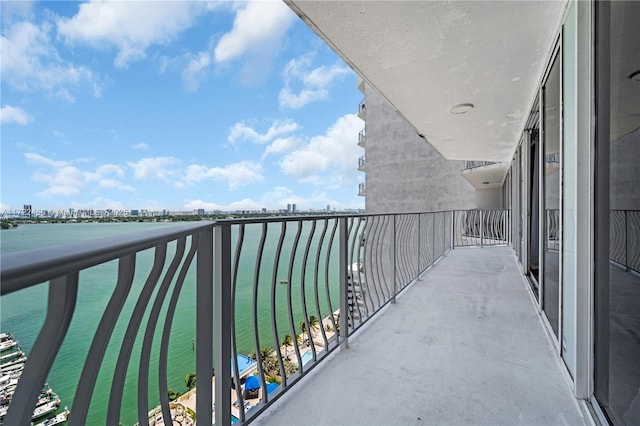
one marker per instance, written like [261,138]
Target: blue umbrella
[252,383]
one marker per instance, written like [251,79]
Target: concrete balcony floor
[464,345]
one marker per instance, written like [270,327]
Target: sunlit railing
[288,291]
[481,227]
[624,235]
[361,137]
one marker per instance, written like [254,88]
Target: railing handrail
[23,269]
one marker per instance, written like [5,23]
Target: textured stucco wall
[403,172]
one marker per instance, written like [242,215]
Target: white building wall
[404,173]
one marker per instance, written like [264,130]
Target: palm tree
[287,341]
[190,380]
[313,323]
[266,353]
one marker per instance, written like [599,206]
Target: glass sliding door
[534,210]
[551,224]
[617,232]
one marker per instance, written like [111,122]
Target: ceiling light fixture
[461,109]
[486,183]
[635,76]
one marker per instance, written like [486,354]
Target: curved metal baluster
[117,385]
[351,273]
[234,343]
[294,248]
[86,385]
[164,340]
[367,238]
[274,322]
[350,223]
[254,306]
[63,292]
[303,296]
[363,284]
[316,291]
[372,267]
[386,296]
[326,279]
[145,353]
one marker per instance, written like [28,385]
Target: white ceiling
[427,56]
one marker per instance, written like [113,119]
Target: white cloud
[31,62]
[130,26]
[99,203]
[141,146]
[236,174]
[10,114]
[257,28]
[195,71]
[312,84]
[274,199]
[154,168]
[331,158]
[241,131]
[110,183]
[62,178]
[281,145]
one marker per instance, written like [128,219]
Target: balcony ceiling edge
[427,57]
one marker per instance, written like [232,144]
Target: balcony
[361,138]
[463,345]
[485,174]
[361,110]
[361,163]
[320,280]
[362,189]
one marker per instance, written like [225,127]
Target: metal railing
[288,290]
[361,137]
[481,227]
[362,108]
[174,251]
[361,161]
[473,164]
[624,235]
[362,189]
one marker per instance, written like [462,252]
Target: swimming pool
[306,357]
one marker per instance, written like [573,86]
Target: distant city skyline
[217,106]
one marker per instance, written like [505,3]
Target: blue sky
[173,105]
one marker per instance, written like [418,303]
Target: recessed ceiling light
[486,183]
[461,108]
[635,75]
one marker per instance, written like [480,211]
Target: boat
[7,365]
[10,356]
[46,409]
[7,342]
[60,418]
[18,367]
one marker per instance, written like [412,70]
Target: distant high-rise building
[288,208]
[200,212]
[293,208]
[264,211]
[134,212]
[26,210]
